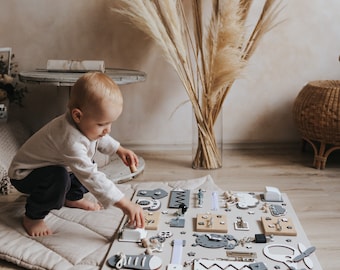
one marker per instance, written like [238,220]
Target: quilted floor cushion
[81,239]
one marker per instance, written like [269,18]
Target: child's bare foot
[83,204]
[36,227]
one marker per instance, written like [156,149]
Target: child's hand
[128,157]
[133,211]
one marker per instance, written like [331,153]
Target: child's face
[96,122]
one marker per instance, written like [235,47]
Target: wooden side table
[114,168]
[119,76]
[316,113]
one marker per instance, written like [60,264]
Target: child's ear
[76,115]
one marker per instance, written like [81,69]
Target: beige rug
[81,239]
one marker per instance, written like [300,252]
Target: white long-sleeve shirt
[60,143]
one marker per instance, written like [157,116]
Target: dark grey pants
[47,188]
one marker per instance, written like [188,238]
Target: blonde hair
[91,89]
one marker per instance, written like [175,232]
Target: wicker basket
[316,113]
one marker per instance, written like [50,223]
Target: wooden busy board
[197,230]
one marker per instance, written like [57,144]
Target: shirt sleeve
[108,145]
[95,181]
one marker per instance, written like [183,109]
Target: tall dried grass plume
[209,47]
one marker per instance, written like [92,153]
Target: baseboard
[226,146]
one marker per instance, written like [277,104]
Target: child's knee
[61,179]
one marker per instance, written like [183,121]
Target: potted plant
[10,89]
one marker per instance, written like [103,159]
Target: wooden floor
[315,194]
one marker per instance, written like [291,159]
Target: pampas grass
[208,50]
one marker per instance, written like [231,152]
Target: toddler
[55,166]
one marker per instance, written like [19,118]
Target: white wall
[258,109]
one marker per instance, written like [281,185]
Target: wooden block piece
[151,220]
[211,223]
[278,226]
[133,168]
